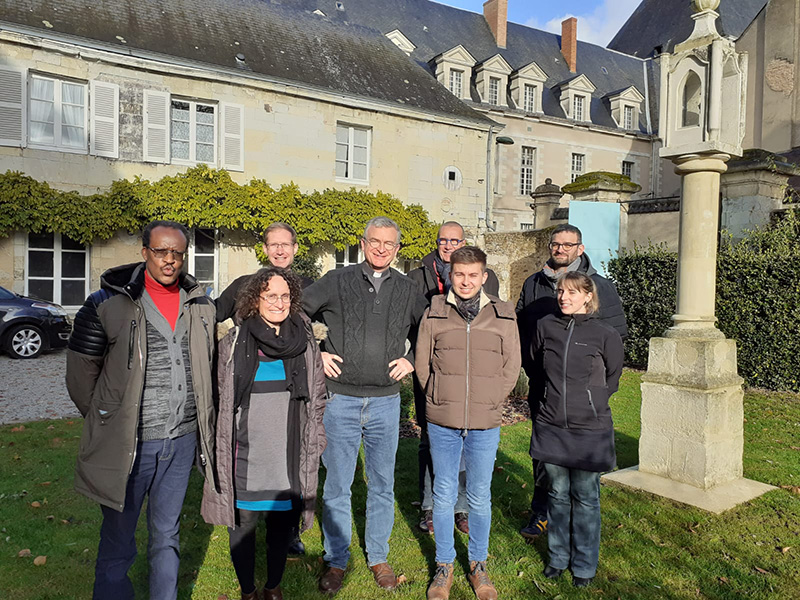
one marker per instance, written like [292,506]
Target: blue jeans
[573,520]
[349,420]
[479,447]
[161,470]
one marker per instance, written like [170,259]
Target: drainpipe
[489,181]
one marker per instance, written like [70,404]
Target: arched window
[692,100]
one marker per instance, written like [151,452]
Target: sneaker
[480,582]
[426,522]
[535,527]
[442,581]
[462,522]
[582,582]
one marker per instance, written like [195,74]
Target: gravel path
[34,389]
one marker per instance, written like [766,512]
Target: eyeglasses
[273,298]
[163,252]
[275,246]
[565,245]
[374,244]
[451,241]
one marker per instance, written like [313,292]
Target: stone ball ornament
[701,5]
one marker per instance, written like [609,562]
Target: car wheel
[25,341]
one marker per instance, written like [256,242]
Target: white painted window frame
[350,153]
[346,262]
[57,114]
[527,171]
[57,251]
[493,88]
[192,255]
[529,93]
[577,165]
[193,104]
[456,82]
[578,107]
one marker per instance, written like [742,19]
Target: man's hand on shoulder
[400,368]
[329,360]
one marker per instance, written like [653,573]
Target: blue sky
[598,20]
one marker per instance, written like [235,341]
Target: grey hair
[382,222]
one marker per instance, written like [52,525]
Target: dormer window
[491,79]
[625,108]
[527,84]
[456,82]
[453,69]
[577,107]
[401,41]
[576,98]
[494,90]
[529,102]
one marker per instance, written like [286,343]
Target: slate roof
[665,23]
[435,28]
[278,42]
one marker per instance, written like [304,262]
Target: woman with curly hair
[269,434]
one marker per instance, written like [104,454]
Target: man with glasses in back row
[434,279]
[537,300]
[371,310]
[139,371]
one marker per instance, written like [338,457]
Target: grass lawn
[651,548]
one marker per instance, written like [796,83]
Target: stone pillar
[603,186]
[546,199]
[697,243]
[690,448]
[752,188]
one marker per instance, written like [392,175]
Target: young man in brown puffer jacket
[467,360]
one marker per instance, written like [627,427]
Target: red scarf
[167,298]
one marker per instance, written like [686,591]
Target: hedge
[758,300]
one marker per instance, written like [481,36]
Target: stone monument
[690,449]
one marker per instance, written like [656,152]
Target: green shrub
[758,301]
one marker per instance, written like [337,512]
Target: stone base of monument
[716,500]
[692,435]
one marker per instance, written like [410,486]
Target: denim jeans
[426,473]
[573,520]
[161,471]
[349,420]
[479,447]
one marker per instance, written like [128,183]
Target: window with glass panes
[578,161]
[627,168]
[526,170]
[350,255]
[202,263]
[529,98]
[57,114]
[577,108]
[494,90]
[352,153]
[193,132]
[628,117]
[57,269]
[456,79]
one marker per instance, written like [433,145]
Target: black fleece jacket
[538,299]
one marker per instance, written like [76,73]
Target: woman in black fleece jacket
[578,362]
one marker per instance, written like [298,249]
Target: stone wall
[514,256]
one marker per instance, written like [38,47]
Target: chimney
[496,14]
[569,43]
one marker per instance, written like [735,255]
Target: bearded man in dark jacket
[537,300]
[434,279]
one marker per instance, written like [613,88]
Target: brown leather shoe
[384,576]
[273,594]
[331,580]
[480,582]
[251,596]
[442,581]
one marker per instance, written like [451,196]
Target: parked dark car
[29,326]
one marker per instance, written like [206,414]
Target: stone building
[94,93]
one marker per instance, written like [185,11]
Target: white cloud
[598,26]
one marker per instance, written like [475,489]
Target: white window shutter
[105,119]
[233,137]
[156,126]
[12,107]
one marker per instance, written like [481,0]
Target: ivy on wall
[208,198]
